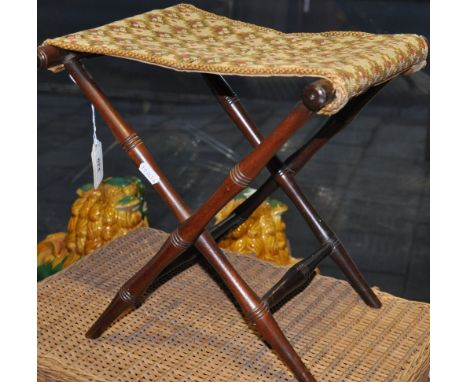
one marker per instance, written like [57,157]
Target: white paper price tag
[149,173]
[96,155]
[98,163]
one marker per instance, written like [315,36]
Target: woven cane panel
[183,37]
[189,330]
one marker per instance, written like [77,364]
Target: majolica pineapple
[263,233]
[98,216]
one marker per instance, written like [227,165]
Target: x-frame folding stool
[191,230]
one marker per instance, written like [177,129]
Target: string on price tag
[96,152]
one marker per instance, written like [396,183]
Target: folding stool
[347,68]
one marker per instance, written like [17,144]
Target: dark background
[371,183]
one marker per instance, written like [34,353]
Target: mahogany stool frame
[191,236]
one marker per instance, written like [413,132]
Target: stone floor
[371,182]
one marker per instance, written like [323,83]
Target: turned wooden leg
[283,176]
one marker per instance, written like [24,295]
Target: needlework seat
[186,38]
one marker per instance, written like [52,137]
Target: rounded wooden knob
[317,94]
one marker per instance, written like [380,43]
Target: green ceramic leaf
[274,203]
[45,270]
[245,193]
[118,181]
[84,188]
[129,199]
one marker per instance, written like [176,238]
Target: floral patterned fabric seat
[186,38]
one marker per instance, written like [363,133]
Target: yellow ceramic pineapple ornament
[98,216]
[263,233]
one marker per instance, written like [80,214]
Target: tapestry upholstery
[185,38]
